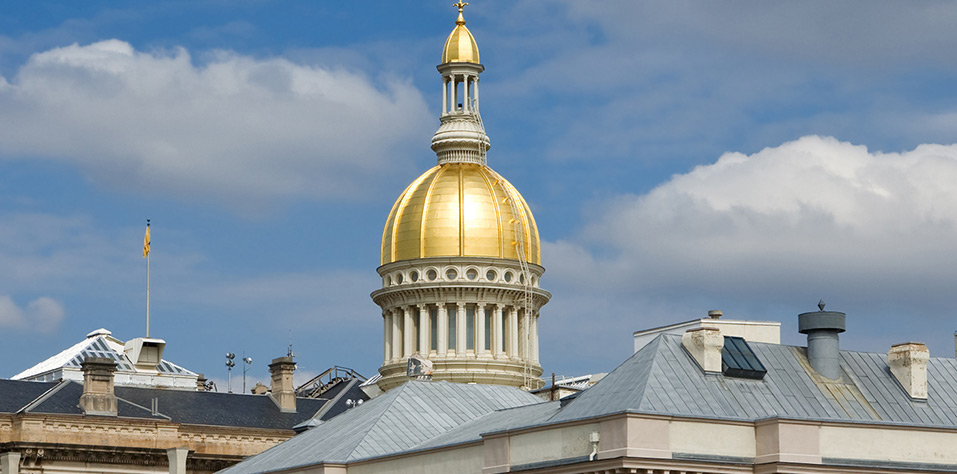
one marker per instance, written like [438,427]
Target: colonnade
[459,330]
[450,95]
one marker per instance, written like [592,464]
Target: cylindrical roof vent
[823,345]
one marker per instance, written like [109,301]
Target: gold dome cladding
[460,47]
[458,209]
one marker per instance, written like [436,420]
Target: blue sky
[679,156]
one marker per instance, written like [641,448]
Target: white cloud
[814,208]
[40,315]
[874,233]
[236,128]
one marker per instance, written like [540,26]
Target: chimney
[823,345]
[715,314]
[200,383]
[98,397]
[704,344]
[908,363]
[282,391]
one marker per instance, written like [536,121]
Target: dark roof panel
[15,394]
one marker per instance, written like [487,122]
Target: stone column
[387,337]
[534,336]
[408,331]
[513,333]
[10,462]
[396,334]
[523,349]
[423,330]
[498,346]
[475,86]
[177,460]
[480,329]
[443,328]
[460,335]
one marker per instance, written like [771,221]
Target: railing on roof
[325,381]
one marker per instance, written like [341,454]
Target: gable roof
[396,421]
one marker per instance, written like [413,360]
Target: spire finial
[820,305]
[460,5]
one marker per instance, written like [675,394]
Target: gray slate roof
[661,378]
[396,421]
[178,406]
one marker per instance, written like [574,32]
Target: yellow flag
[146,242]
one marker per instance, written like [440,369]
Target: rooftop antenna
[289,352]
[146,255]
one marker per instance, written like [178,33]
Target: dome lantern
[461,136]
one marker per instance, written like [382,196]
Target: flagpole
[147,286]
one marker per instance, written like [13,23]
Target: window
[488,329]
[471,274]
[434,330]
[452,310]
[431,275]
[414,276]
[490,275]
[451,274]
[470,329]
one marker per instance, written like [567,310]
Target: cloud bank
[236,128]
[816,217]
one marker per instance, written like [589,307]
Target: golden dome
[458,210]
[461,46]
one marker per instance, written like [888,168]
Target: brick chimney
[98,397]
[282,390]
[908,363]
[704,344]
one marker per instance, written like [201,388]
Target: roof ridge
[653,364]
[44,396]
[41,367]
[385,409]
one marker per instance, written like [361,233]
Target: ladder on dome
[525,278]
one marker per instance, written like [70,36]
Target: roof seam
[44,396]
